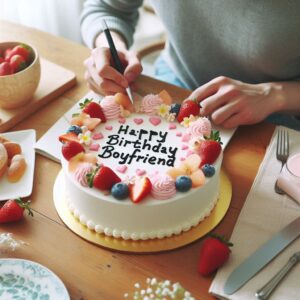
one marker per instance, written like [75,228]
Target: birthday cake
[140,171]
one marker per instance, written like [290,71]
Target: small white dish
[25,279]
[22,188]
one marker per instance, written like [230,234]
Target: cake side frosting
[149,219]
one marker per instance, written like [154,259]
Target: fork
[265,292]
[282,152]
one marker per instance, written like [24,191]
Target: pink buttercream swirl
[200,127]
[110,108]
[163,187]
[81,172]
[150,104]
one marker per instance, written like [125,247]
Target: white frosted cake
[140,172]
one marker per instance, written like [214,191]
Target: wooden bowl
[18,89]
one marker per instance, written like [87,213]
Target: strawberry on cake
[143,171]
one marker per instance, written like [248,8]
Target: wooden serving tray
[55,80]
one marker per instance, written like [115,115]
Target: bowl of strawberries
[20,73]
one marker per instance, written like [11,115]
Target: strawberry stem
[85,102]
[24,205]
[90,177]
[214,136]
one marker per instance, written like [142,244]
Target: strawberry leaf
[214,136]
[24,205]
[85,102]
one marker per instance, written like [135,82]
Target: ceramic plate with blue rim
[22,279]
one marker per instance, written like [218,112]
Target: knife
[115,56]
[261,257]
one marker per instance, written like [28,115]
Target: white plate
[24,279]
[22,188]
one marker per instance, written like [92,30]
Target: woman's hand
[100,74]
[231,103]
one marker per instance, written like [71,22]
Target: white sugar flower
[163,110]
[85,138]
[187,120]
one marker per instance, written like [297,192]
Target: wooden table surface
[88,271]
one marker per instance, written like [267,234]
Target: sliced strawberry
[124,100]
[68,137]
[103,178]
[13,210]
[214,253]
[140,189]
[188,107]
[70,149]
[93,109]
[210,149]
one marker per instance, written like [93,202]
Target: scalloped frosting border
[135,236]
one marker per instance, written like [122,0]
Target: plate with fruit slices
[17,159]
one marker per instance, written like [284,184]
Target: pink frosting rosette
[81,172]
[110,108]
[200,127]
[163,186]
[150,104]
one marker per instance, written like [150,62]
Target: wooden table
[88,271]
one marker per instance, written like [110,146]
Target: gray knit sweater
[249,40]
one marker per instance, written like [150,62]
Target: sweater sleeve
[120,16]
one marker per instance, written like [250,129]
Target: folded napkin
[264,214]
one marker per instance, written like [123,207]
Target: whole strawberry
[17,63]
[210,149]
[103,178]
[5,69]
[93,109]
[188,107]
[25,51]
[13,210]
[70,149]
[214,253]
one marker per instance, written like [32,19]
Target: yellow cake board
[148,246]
